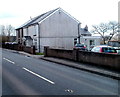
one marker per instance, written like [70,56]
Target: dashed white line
[38,75]
[9,60]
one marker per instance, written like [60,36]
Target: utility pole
[118,21]
[79,32]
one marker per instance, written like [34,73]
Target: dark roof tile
[37,19]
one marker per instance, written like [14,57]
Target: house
[84,31]
[87,38]
[55,28]
[90,41]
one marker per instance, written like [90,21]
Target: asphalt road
[22,75]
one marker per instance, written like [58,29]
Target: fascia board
[62,11]
[70,16]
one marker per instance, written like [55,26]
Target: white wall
[30,31]
[58,31]
[25,33]
[17,35]
[60,43]
[86,40]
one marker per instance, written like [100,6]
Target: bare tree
[2,30]
[113,29]
[9,30]
[6,32]
[3,37]
[108,30]
[101,29]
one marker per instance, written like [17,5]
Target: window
[109,50]
[92,42]
[96,49]
[75,41]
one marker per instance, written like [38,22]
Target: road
[22,75]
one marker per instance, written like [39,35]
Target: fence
[102,59]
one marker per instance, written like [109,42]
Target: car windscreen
[109,50]
[79,45]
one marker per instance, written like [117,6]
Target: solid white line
[9,60]
[38,75]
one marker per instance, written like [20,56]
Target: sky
[88,12]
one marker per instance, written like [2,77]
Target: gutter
[39,35]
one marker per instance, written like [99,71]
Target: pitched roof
[37,19]
[83,31]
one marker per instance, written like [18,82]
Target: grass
[39,53]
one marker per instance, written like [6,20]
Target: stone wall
[19,47]
[101,59]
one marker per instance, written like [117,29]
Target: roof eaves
[34,20]
[42,17]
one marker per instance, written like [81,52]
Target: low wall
[108,60]
[19,47]
[102,59]
[30,50]
[60,53]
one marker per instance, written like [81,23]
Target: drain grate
[69,90]
[27,56]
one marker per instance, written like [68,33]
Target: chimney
[86,28]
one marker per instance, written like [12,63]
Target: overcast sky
[88,12]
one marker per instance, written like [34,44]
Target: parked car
[104,49]
[80,47]
[11,43]
[14,43]
[117,49]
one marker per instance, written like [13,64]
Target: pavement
[82,66]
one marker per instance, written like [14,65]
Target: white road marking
[38,75]
[9,60]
